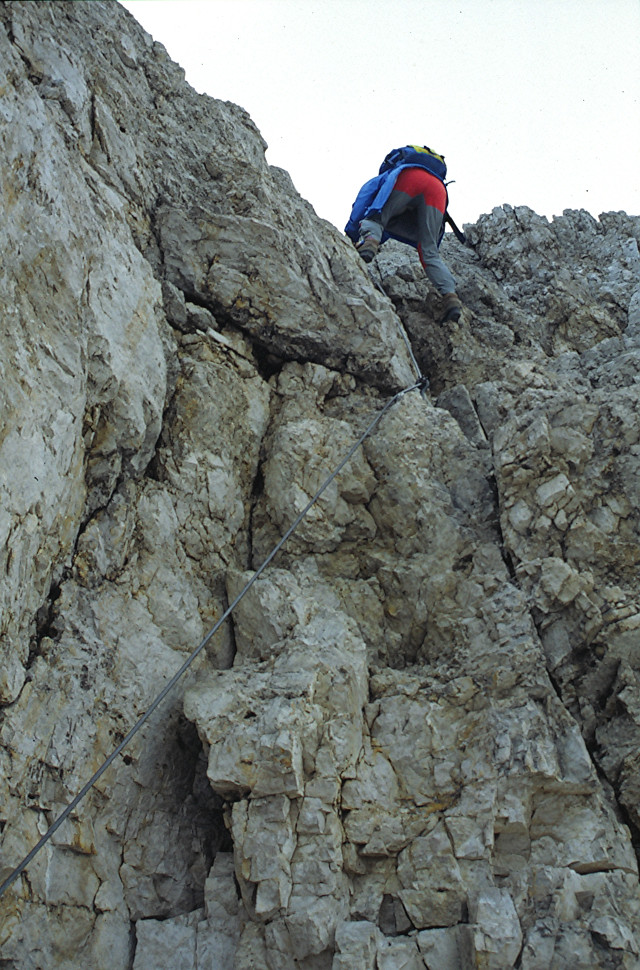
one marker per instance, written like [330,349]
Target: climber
[407,201]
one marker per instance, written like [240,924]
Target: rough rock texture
[415,743]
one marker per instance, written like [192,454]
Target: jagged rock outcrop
[415,743]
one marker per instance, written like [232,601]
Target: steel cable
[378,285]
[189,661]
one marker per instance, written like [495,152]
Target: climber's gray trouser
[414,220]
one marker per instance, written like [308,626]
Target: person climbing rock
[407,201]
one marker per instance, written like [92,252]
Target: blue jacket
[370,201]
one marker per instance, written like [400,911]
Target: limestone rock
[414,743]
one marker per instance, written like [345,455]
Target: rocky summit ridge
[415,744]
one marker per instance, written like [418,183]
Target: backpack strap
[460,236]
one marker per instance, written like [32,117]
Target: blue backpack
[422,157]
[418,156]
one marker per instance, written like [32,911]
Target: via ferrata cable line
[419,385]
[422,380]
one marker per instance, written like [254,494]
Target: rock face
[415,742]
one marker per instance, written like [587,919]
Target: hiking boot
[451,307]
[367,246]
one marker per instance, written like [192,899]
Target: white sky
[533,102]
